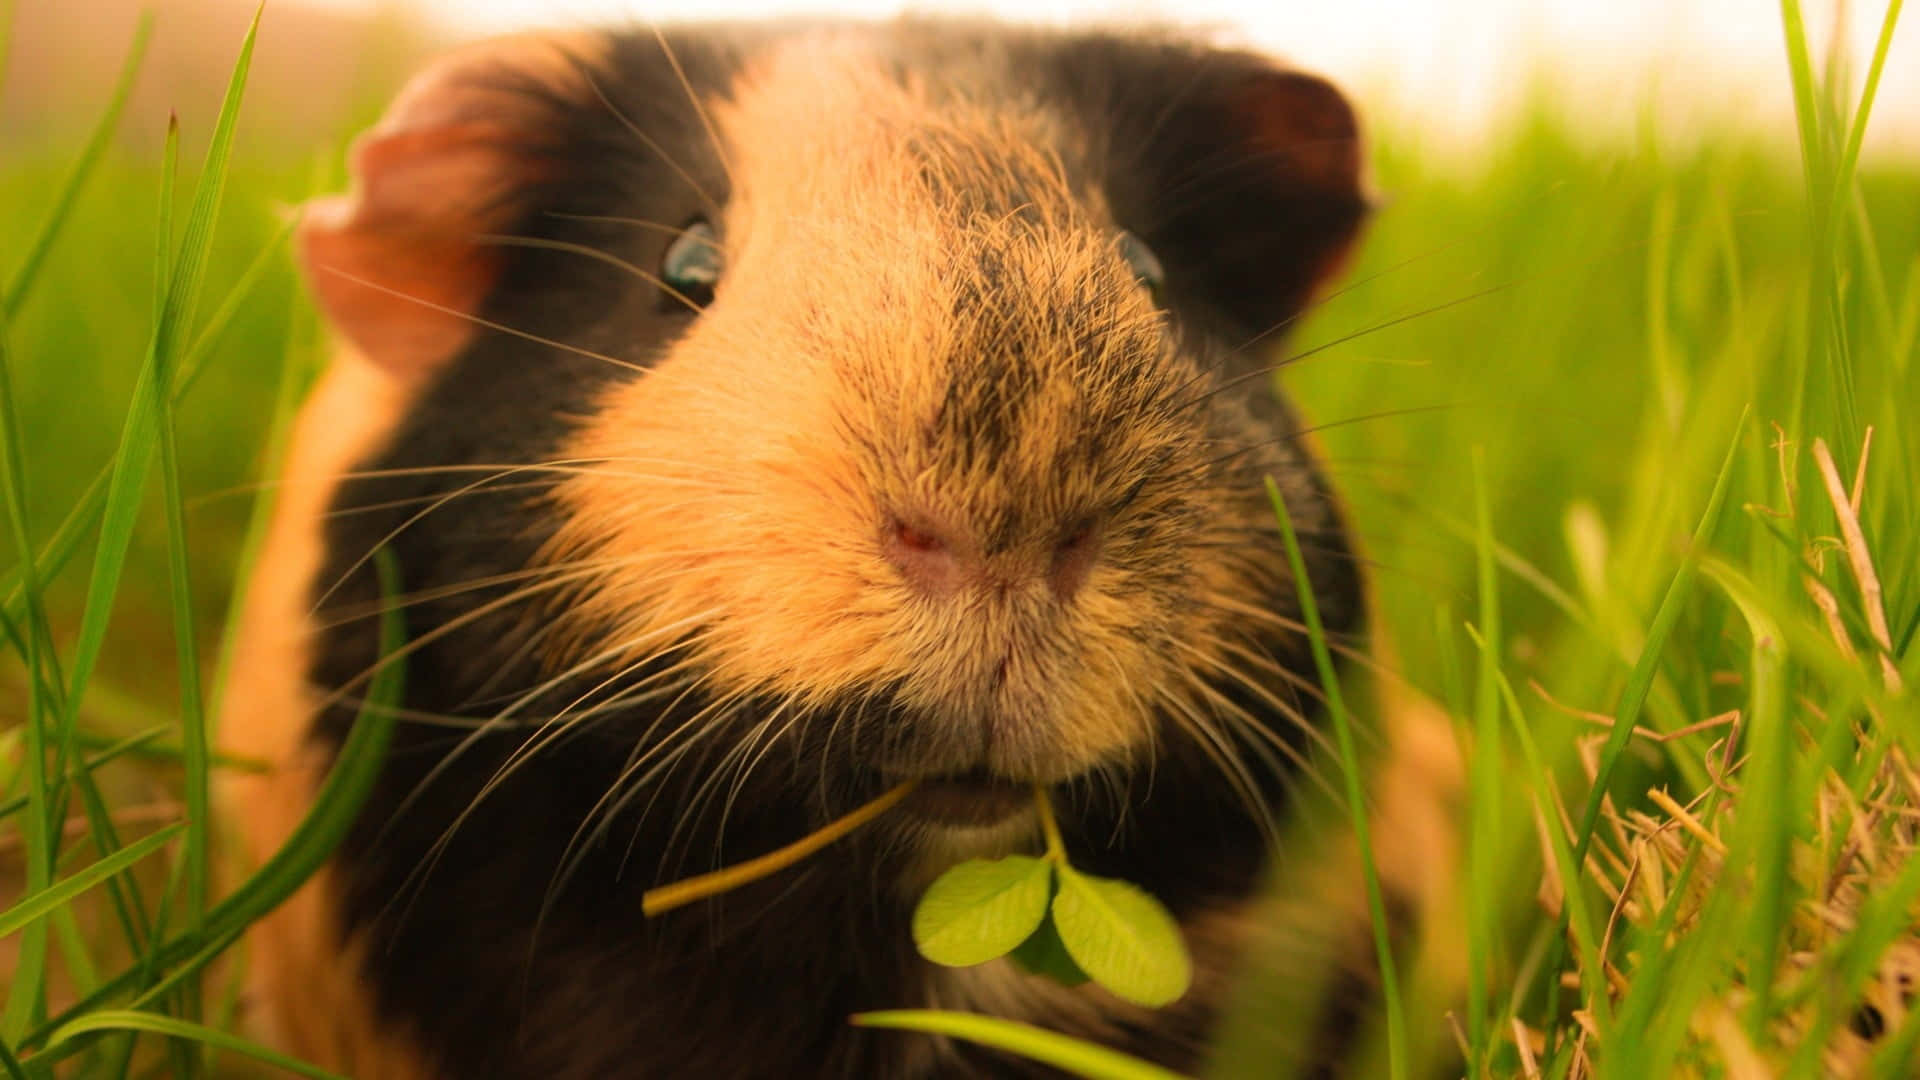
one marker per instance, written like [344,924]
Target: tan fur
[299,970]
[748,478]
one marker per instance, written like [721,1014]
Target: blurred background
[1595,265]
[1455,69]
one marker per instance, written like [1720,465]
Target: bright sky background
[1450,64]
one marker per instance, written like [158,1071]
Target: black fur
[513,944]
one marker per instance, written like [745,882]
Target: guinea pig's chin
[981,795]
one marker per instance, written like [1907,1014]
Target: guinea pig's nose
[938,565]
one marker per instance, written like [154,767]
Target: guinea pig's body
[757,419]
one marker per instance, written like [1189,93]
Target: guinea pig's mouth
[975,798]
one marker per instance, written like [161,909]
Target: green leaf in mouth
[1122,937]
[982,909]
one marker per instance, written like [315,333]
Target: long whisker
[545,244]
[693,99]
[1300,433]
[489,324]
[646,747]
[1263,741]
[1267,697]
[652,144]
[1220,750]
[638,223]
[545,736]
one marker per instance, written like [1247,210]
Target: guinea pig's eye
[1145,264]
[691,267]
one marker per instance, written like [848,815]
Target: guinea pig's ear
[1245,178]
[398,263]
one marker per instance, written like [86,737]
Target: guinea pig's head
[914,423]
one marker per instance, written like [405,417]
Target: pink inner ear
[396,264]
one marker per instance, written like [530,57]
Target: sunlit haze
[1449,66]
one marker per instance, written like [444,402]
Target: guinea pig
[760,417]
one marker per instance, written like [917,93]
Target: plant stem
[1056,847]
[667,897]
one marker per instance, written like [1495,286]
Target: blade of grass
[1356,800]
[336,805]
[69,721]
[137,444]
[37,904]
[1767,790]
[128,1020]
[28,272]
[85,514]
[1486,781]
[1640,680]
[29,968]
[1828,314]
[193,727]
[1850,154]
[1036,1044]
[1572,882]
[1633,695]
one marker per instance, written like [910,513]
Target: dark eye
[1141,259]
[691,267]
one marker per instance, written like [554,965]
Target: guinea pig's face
[949,448]
[930,449]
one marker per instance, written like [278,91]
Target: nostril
[916,539]
[922,556]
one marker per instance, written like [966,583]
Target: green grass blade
[1850,154]
[1806,108]
[1070,1055]
[335,806]
[193,725]
[1487,774]
[1397,1049]
[1828,314]
[1626,714]
[39,828]
[128,1020]
[28,272]
[1767,790]
[138,443]
[37,904]
[85,514]
[1640,680]
[1572,882]
[11,1063]
[193,361]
